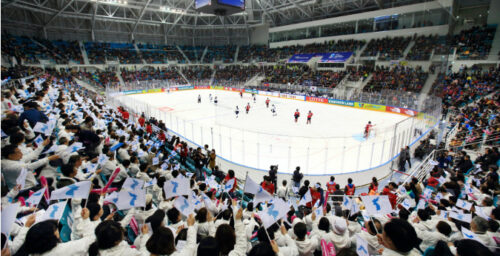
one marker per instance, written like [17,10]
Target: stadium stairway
[213,76]
[364,83]
[203,54]
[180,71]
[495,46]
[84,53]
[185,57]
[139,53]
[255,80]
[358,53]
[235,60]
[408,48]
[120,78]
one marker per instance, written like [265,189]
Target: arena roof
[175,20]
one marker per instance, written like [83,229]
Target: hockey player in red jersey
[247,108]
[267,102]
[368,127]
[296,115]
[241,94]
[309,116]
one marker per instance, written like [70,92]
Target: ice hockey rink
[333,143]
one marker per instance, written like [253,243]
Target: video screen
[201,3]
[235,3]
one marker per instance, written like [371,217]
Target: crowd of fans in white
[80,177]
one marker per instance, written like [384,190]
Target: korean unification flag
[130,199]
[406,204]
[461,216]
[74,147]
[229,185]
[470,235]
[361,246]
[306,198]
[211,182]
[9,213]
[464,204]
[55,211]
[102,159]
[377,205]
[206,200]
[150,183]
[35,198]
[347,202]
[262,196]
[251,186]
[21,179]
[274,212]
[111,198]
[176,187]
[41,128]
[77,190]
[195,201]
[132,184]
[182,204]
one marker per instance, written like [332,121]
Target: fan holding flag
[230,180]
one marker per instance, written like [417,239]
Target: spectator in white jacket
[43,239]
[373,227]
[305,245]
[12,165]
[109,241]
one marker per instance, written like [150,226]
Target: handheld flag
[251,186]
[55,211]
[377,205]
[132,184]
[76,190]
[183,205]
[176,187]
[21,179]
[9,213]
[130,199]
[35,198]
[274,212]
[229,185]
[306,198]
[361,246]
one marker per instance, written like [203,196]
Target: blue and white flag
[77,190]
[464,204]
[176,187]
[55,211]
[306,198]
[195,201]
[347,202]
[377,205]
[150,183]
[251,186]
[39,141]
[21,179]
[182,204]
[112,198]
[41,127]
[206,200]
[421,204]
[229,185]
[102,159]
[74,147]
[406,204]
[361,246]
[9,213]
[130,199]
[274,212]
[461,216]
[156,161]
[481,212]
[132,184]
[35,198]
[261,196]
[470,235]
[53,148]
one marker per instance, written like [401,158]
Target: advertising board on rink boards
[316,99]
[202,87]
[341,102]
[292,96]
[370,106]
[402,111]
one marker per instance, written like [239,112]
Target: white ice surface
[332,144]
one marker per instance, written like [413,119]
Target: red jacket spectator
[392,196]
[228,177]
[161,136]
[125,115]
[268,186]
[149,129]
[432,182]
[141,121]
[316,195]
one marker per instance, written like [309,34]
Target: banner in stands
[316,99]
[301,58]
[369,106]
[336,57]
[341,102]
